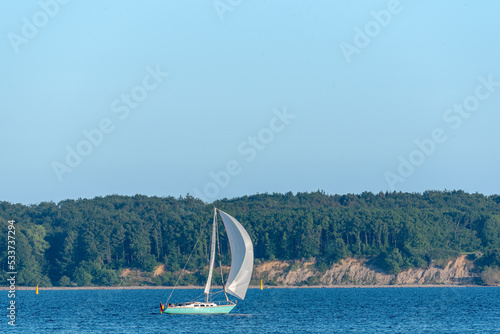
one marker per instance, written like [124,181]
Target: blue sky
[230,98]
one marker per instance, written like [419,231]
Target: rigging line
[182,272]
[215,294]
[212,294]
[196,299]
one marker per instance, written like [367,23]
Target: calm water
[380,310]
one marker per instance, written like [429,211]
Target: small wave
[241,315]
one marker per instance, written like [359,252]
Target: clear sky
[230,98]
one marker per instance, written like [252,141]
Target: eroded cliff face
[458,271]
[357,272]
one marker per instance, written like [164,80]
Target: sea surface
[349,310]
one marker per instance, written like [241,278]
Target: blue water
[367,310]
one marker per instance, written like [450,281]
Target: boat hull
[222,309]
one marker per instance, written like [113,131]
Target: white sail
[212,255]
[241,256]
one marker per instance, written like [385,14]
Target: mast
[212,255]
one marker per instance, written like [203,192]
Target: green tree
[64,281]
[82,277]
[491,232]
[491,276]
[394,261]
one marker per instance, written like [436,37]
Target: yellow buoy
[37,289]
[261,285]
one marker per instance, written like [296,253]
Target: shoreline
[192,287]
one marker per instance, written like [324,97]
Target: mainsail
[212,255]
[241,256]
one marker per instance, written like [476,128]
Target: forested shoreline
[89,241]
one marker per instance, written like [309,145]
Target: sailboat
[239,275]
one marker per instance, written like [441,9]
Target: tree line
[88,241]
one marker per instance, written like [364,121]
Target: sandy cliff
[357,272]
